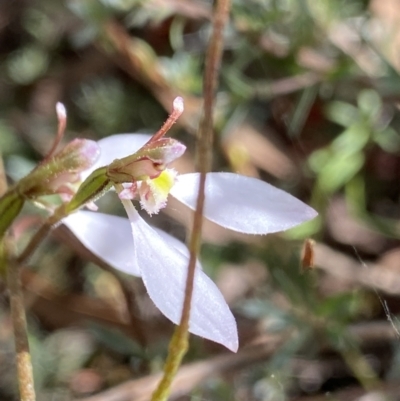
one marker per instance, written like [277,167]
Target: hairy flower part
[134,170]
[235,202]
[11,204]
[129,192]
[147,163]
[78,155]
[63,185]
[127,144]
[154,192]
[143,169]
[55,175]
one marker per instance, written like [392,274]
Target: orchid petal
[243,204]
[108,237]
[174,242]
[164,270]
[115,147]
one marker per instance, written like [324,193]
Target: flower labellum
[154,192]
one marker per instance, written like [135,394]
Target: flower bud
[78,155]
[52,176]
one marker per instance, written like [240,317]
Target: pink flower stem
[173,117]
[62,123]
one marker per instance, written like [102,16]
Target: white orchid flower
[238,203]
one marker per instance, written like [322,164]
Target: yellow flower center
[154,192]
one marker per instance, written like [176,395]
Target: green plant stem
[179,342]
[361,369]
[17,311]
[23,357]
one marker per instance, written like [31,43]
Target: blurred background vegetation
[308,101]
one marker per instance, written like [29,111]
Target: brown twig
[205,140]
[3,180]
[179,342]
[35,241]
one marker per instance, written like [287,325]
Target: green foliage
[105,105]
[339,131]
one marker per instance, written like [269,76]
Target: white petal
[109,237]
[172,241]
[243,204]
[115,147]
[164,271]
[163,264]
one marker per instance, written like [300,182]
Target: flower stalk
[177,111]
[18,317]
[180,340]
[17,311]
[52,175]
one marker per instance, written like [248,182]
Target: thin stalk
[62,123]
[38,237]
[18,317]
[17,311]
[3,180]
[177,111]
[361,369]
[179,342]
